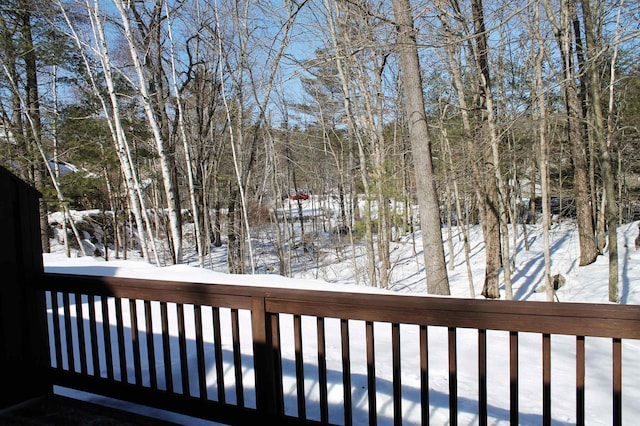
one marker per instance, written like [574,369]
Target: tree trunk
[354,134]
[136,200]
[602,136]
[235,259]
[496,196]
[543,158]
[484,182]
[165,163]
[435,265]
[461,225]
[187,152]
[33,129]
[563,32]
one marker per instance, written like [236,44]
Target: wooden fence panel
[22,329]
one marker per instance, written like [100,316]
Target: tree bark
[435,265]
[563,33]
[165,163]
[496,195]
[187,150]
[543,158]
[114,120]
[602,136]
[484,183]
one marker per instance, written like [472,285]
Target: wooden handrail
[576,319]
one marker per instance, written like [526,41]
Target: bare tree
[205,123]
[435,265]
[111,110]
[183,135]
[479,154]
[342,45]
[165,162]
[543,153]
[238,47]
[602,132]
[564,36]
[486,101]
[448,158]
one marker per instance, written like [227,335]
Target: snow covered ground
[583,284]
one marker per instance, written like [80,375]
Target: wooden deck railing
[179,346]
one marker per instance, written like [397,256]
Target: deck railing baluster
[546,378]
[68,332]
[202,371]
[371,373]
[453,376]
[617,381]
[182,342]
[135,342]
[580,376]
[237,357]
[57,338]
[80,327]
[346,371]
[166,347]
[513,377]
[217,341]
[276,357]
[106,335]
[297,343]
[151,350]
[322,370]
[482,377]
[397,383]
[93,331]
[122,353]
[424,374]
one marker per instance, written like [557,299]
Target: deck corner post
[263,359]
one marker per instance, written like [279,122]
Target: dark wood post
[24,348]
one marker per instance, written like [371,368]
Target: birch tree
[183,136]
[165,163]
[361,52]
[111,109]
[249,65]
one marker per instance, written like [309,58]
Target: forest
[206,123]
